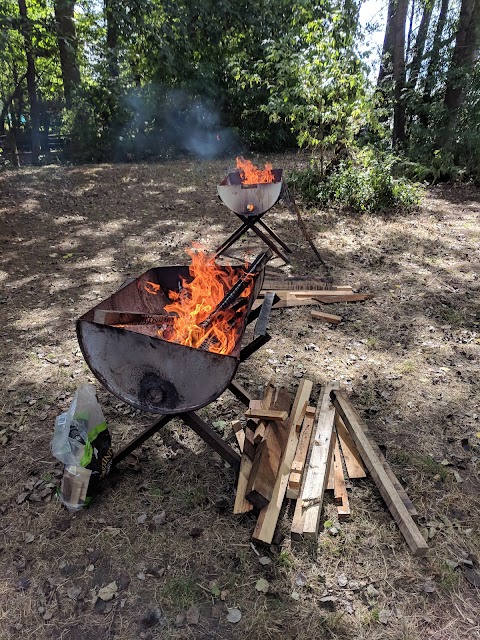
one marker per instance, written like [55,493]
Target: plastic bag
[81,441]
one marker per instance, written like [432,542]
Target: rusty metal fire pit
[144,370]
[249,202]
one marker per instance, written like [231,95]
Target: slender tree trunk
[67,47]
[31,82]
[464,55]
[388,42]
[12,143]
[433,64]
[110,7]
[410,29]
[419,46]
[398,137]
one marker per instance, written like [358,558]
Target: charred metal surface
[145,371]
[242,197]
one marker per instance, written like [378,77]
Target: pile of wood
[300,451]
[305,291]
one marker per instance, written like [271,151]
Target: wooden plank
[242,505]
[312,293]
[340,489]
[266,414]
[291,302]
[301,453]
[266,402]
[268,455]
[239,434]
[268,517]
[308,509]
[353,461]
[331,478]
[327,317]
[341,297]
[354,424]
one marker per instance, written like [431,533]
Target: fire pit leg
[211,437]
[145,435]
[247,224]
[275,236]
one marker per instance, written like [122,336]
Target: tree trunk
[419,45]
[398,136]
[463,59]
[410,29]
[435,55]
[67,47]
[388,42]
[31,82]
[110,7]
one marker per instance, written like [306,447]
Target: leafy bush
[364,184]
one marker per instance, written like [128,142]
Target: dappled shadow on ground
[409,358]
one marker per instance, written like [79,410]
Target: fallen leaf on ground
[193,615]
[142,519]
[262,585]
[108,592]
[74,592]
[234,615]
[264,560]
[29,537]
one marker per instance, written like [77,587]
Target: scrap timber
[307,453]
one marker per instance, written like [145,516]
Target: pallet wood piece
[327,317]
[268,456]
[353,461]
[291,302]
[239,434]
[267,520]
[312,293]
[354,424]
[242,505]
[308,509]
[300,283]
[343,297]
[267,401]
[266,414]
[331,478]
[299,461]
[340,488]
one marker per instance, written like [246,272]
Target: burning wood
[251,175]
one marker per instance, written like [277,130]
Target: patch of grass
[450,316]
[427,465]
[180,592]
[449,578]
[372,343]
[192,496]
[407,366]
[284,559]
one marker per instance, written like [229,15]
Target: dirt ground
[163,531]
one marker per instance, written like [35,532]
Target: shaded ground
[409,358]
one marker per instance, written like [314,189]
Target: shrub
[362,184]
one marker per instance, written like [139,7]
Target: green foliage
[364,184]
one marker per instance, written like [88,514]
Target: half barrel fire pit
[140,367]
[249,193]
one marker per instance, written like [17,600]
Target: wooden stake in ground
[306,518]
[268,517]
[354,424]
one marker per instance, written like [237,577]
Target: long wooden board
[312,293]
[344,297]
[268,517]
[308,509]
[354,424]
[301,453]
[353,461]
[340,489]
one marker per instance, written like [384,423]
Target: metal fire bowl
[147,372]
[238,196]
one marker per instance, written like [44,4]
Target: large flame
[196,301]
[251,175]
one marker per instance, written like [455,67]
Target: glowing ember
[196,301]
[251,175]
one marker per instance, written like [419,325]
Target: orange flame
[251,175]
[196,301]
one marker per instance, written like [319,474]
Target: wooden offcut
[268,517]
[340,488]
[239,434]
[268,455]
[341,296]
[354,424]
[301,453]
[266,414]
[353,461]
[326,317]
[306,518]
[242,505]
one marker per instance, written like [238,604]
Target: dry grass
[409,359]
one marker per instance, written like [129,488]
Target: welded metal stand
[250,222]
[191,419]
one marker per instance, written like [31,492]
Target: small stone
[384,616]
[333,531]
[193,615]
[180,619]
[342,580]
[300,580]
[265,560]
[142,518]
[160,518]
[372,592]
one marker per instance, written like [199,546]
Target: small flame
[196,300]
[251,175]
